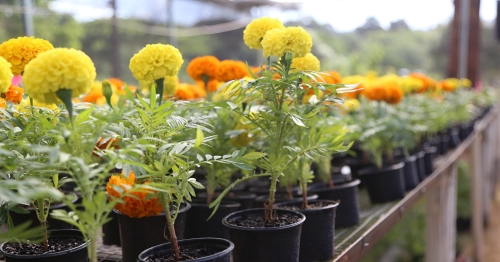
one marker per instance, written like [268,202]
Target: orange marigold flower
[203,66]
[395,94]
[104,142]
[332,77]
[212,85]
[139,204]
[3,103]
[14,94]
[231,70]
[184,92]
[93,96]
[198,91]
[256,70]
[116,82]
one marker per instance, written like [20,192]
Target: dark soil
[187,253]
[298,207]
[55,245]
[258,221]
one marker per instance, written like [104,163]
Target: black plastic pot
[138,234]
[260,200]
[464,130]
[430,154]
[111,231]
[454,134]
[443,145]
[264,190]
[385,184]
[76,254]
[355,165]
[420,163]
[267,244]
[318,231]
[197,224]
[52,223]
[410,172]
[347,195]
[246,199]
[224,255]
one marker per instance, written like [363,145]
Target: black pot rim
[262,197]
[373,170]
[54,254]
[52,207]
[255,210]
[420,153]
[237,195]
[182,209]
[333,204]
[201,259]
[430,150]
[352,183]
[224,203]
[411,158]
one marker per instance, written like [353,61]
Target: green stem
[303,182]
[170,226]
[159,89]
[269,205]
[93,249]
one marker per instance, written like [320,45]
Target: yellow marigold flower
[203,66]
[307,63]
[25,106]
[244,138]
[3,103]
[59,68]
[5,75]
[278,41]
[231,70]
[170,84]
[21,50]
[350,105]
[465,82]
[257,29]
[155,62]
[14,94]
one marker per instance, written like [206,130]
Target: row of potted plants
[140,155]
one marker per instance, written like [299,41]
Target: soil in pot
[64,245]
[254,240]
[385,184]
[197,224]
[138,234]
[410,172]
[318,231]
[347,195]
[246,199]
[260,200]
[52,223]
[198,249]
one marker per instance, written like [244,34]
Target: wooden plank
[440,213]
[373,234]
[477,199]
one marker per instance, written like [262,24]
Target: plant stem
[289,190]
[303,182]
[93,248]
[170,226]
[269,205]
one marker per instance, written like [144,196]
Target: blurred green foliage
[367,48]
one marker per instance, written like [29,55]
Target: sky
[342,15]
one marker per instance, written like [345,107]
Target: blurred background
[350,36]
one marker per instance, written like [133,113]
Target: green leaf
[253,155]
[199,137]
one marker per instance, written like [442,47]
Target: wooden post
[452,70]
[477,199]
[441,209]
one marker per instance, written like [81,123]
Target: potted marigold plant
[273,107]
[161,155]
